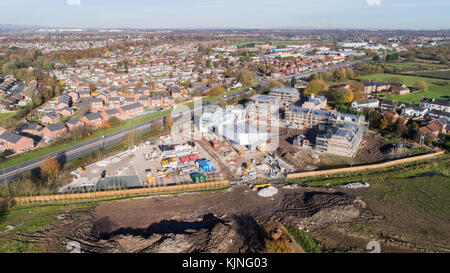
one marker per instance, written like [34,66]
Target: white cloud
[373,2]
[73,2]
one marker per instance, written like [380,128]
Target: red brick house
[74,95]
[84,94]
[49,118]
[15,142]
[145,101]
[106,115]
[131,110]
[157,101]
[97,104]
[92,119]
[54,131]
[169,101]
[73,124]
[114,102]
[31,129]
[65,112]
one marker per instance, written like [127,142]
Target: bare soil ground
[235,221]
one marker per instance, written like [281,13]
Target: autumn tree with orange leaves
[49,169]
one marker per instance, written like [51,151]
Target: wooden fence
[365,167]
[123,193]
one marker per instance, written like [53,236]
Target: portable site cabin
[198,177]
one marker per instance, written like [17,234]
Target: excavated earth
[232,221]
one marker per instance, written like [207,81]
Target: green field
[6,115]
[412,198]
[418,65]
[434,91]
[444,74]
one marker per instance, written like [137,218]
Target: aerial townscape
[218,139]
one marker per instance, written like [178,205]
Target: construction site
[239,145]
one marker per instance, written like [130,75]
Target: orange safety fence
[124,193]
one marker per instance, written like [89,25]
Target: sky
[316,14]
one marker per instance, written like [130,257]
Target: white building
[230,124]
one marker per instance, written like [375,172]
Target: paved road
[90,146]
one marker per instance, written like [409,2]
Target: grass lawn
[434,91]
[443,74]
[6,115]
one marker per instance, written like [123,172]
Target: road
[87,147]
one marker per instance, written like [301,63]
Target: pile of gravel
[267,192]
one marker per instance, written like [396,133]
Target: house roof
[112,112]
[73,121]
[56,127]
[31,126]
[10,137]
[131,106]
[437,102]
[93,116]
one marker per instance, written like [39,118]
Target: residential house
[97,104]
[175,91]
[64,101]
[54,131]
[92,119]
[114,102]
[436,104]
[169,100]
[131,110]
[31,129]
[73,124]
[74,95]
[49,118]
[145,101]
[106,115]
[439,114]
[157,101]
[415,111]
[368,103]
[400,89]
[65,112]
[15,142]
[84,94]
[433,128]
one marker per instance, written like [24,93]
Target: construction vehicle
[262,185]
[81,169]
[150,177]
[215,144]
[246,167]
[261,149]
[164,162]
[240,151]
